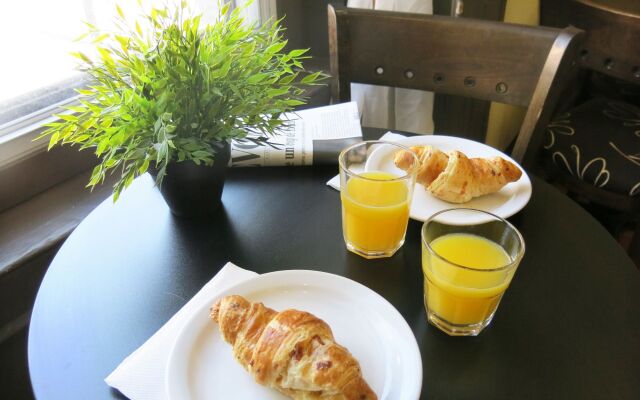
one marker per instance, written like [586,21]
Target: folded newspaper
[312,136]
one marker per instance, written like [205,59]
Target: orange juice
[375,211]
[464,296]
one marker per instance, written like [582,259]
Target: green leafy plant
[177,91]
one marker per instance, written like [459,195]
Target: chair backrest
[486,60]
[612,40]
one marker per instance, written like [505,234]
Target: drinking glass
[376,197]
[467,268]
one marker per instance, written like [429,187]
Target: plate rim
[403,326]
[525,194]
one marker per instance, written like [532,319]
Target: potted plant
[168,99]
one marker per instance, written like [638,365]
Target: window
[38,75]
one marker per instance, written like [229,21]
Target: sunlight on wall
[505,119]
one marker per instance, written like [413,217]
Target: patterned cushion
[598,142]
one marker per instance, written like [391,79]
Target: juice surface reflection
[464,296]
[375,211]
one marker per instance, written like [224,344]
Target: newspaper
[312,136]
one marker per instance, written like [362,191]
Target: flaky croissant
[291,351]
[455,178]
[432,162]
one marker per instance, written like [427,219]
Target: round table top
[566,328]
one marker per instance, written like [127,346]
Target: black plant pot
[193,190]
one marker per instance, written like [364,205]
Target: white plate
[201,364]
[504,203]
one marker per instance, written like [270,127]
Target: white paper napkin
[141,375]
[389,137]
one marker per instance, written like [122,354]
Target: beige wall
[505,120]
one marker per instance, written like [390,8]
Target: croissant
[291,351]
[455,178]
[432,162]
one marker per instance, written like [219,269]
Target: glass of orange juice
[468,259]
[376,197]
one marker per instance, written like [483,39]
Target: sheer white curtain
[395,108]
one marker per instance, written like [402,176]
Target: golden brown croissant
[291,351]
[432,162]
[457,179]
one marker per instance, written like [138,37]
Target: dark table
[567,328]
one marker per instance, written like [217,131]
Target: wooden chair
[486,60]
[592,148]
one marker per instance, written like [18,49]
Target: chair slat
[486,60]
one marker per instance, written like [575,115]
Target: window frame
[17,137]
